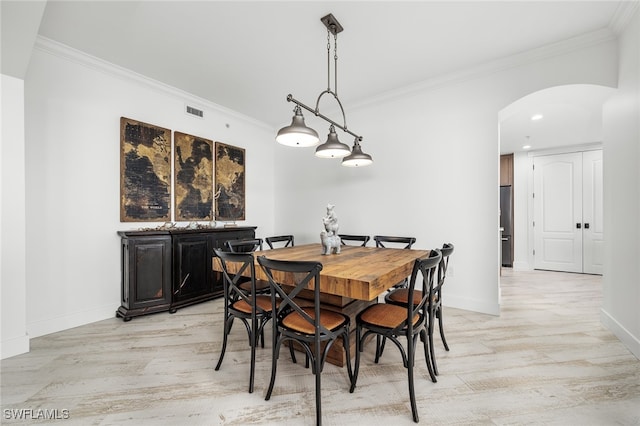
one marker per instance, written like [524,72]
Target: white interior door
[558,212]
[568,212]
[592,212]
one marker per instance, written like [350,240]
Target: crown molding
[588,146]
[622,16]
[534,55]
[70,54]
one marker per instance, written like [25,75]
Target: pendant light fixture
[332,148]
[299,135]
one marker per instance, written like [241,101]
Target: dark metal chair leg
[318,373]
[410,363]
[274,365]
[431,348]
[427,355]
[293,355]
[356,367]
[380,342]
[441,327]
[254,343]
[227,327]
[345,343]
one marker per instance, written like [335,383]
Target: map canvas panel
[193,177]
[145,172]
[230,182]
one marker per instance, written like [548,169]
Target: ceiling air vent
[195,111]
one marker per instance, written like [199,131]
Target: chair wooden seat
[383,315]
[261,286]
[401,296]
[329,319]
[262,302]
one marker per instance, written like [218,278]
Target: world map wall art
[208,179]
[193,177]
[230,182]
[145,172]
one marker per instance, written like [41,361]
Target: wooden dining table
[349,281]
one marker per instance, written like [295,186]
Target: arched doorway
[555,120]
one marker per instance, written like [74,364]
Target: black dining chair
[280,241]
[401,296]
[244,245]
[312,328]
[248,245]
[387,241]
[362,239]
[393,322]
[253,310]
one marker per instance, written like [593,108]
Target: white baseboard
[73,319]
[14,346]
[474,305]
[522,266]
[626,337]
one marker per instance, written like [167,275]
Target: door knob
[578,225]
[586,226]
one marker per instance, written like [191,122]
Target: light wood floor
[545,360]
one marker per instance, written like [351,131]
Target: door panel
[557,209]
[592,214]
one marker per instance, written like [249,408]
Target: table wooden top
[357,272]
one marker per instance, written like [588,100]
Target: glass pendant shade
[357,158]
[297,134]
[332,148]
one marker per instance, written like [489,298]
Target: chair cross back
[287,303]
[446,250]
[363,239]
[244,246]
[426,268]
[233,280]
[381,240]
[288,241]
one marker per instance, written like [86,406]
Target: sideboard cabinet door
[193,274]
[146,275]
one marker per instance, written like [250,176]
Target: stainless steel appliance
[506,223]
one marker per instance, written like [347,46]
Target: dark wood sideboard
[163,270]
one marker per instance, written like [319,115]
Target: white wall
[621,121]
[436,170]
[13,302]
[73,109]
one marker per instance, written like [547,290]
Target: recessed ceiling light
[536,117]
[526,147]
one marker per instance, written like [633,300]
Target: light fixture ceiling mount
[299,135]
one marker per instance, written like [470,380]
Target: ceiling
[248,55]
